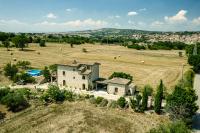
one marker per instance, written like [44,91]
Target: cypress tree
[158,98]
[144,99]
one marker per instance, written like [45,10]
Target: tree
[10,70]
[6,44]
[23,64]
[144,99]
[121,75]
[53,68]
[20,41]
[4,92]
[175,127]
[121,102]
[53,94]
[135,103]
[181,104]
[24,77]
[42,43]
[158,98]
[15,101]
[46,74]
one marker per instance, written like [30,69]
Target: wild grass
[79,116]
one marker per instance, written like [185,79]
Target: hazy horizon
[77,15]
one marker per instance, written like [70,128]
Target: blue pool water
[34,72]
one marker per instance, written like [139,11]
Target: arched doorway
[83,87]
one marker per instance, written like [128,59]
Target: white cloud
[143,9]
[117,25]
[51,15]
[196,21]
[180,17]
[132,13]
[68,10]
[117,16]
[113,17]
[72,25]
[49,26]
[131,22]
[157,24]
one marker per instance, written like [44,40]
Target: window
[63,73]
[64,82]
[73,69]
[83,77]
[73,77]
[88,67]
[116,90]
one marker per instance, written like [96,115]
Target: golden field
[158,64]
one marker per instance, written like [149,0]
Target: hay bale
[14,59]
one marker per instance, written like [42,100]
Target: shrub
[15,101]
[10,70]
[99,100]
[69,95]
[144,99]
[24,77]
[181,104]
[175,127]
[136,46]
[2,116]
[54,94]
[23,64]
[113,104]
[104,103]
[158,98]
[46,74]
[4,92]
[135,103]
[92,100]
[121,75]
[121,102]
[42,43]
[25,92]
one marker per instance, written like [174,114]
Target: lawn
[158,64]
[79,117]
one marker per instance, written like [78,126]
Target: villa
[78,75]
[85,76]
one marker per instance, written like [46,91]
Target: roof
[119,81]
[86,72]
[76,64]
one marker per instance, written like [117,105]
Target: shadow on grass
[196,122]
[27,50]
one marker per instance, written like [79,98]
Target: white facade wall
[122,89]
[72,77]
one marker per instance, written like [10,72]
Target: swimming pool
[34,72]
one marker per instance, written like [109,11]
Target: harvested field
[147,67]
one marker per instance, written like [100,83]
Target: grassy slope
[79,117]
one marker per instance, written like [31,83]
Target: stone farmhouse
[85,76]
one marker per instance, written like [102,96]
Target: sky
[76,15]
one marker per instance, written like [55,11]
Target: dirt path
[196,122]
